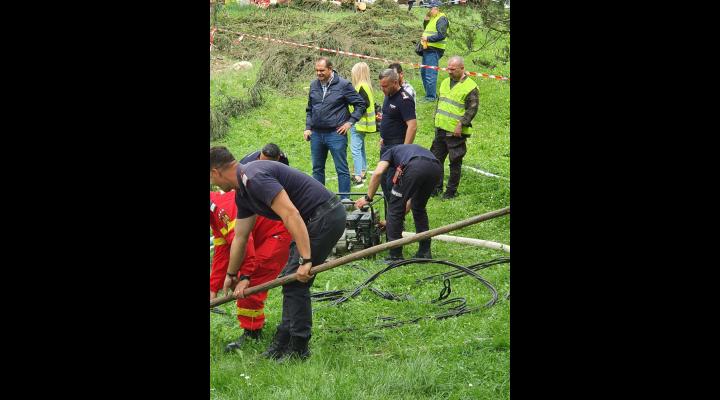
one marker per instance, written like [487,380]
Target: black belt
[320,210]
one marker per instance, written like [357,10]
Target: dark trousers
[324,231]
[455,147]
[386,179]
[419,178]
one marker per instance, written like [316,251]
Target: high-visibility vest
[367,121]
[431,29]
[451,104]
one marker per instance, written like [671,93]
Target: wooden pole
[463,240]
[364,253]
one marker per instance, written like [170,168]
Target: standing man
[434,39]
[270,151]
[266,254]
[459,99]
[328,121]
[398,125]
[415,173]
[407,87]
[314,217]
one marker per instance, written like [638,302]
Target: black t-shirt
[402,154]
[256,156]
[396,110]
[261,180]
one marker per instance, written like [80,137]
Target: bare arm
[243,227]
[374,183]
[294,223]
[410,132]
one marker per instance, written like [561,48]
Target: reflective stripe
[246,312]
[230,227]
[219,241]
[451,108]
[447,114]
[365,123]
[453,102]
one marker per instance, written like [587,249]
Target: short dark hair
[271,150]
[328,63]
[396,66]
[220,156]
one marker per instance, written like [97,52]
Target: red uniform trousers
[270,257]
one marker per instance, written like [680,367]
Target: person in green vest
[456,108]
[434,39]
[360,78]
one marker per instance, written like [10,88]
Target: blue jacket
[332,111]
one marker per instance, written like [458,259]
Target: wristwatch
[244,277]
[302,260]
[368,198]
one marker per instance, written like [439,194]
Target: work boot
[394,255]
[423,250]
[237,345]
[297,348]
[449,195]
[279,345]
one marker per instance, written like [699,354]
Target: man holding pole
[314,217]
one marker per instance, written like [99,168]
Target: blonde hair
[360,73]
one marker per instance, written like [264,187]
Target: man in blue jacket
[328,121]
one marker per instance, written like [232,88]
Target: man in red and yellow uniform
[267,252]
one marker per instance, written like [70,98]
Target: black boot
[297,348]
[279,345]
[394,255]
[423,250]
[237,345]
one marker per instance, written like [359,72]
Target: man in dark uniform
[415,172]
[270,151]
[399,124]
[314,217]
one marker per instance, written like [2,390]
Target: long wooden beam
[364,253]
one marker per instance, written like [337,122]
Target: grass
[466,357]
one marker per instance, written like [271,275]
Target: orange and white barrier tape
[363,56]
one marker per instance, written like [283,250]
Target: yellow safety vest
[367,121]
[431,29]
[451,104]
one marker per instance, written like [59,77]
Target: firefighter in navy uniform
[270,151]
[415,173]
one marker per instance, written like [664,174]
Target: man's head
[389,82]
[323,69]
[222,168]
[271,151]
[456,68]
[398,68]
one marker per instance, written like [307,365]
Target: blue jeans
[357,148]
[320,143]
[429,76]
